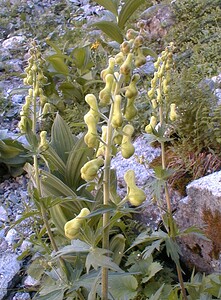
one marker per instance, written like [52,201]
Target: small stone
[31,282]
[21,296]
[11,236]
[13,42]
[3,214]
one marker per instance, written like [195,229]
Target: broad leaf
[57,61]
[123,287]
[110,5]
[71,91]
[127,11]
[76,246]
[62,139]
[111,29]
[81,57]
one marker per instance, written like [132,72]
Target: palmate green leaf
[153,269]
[173,250]
[150,249]
[97,258]
[123,287]
[62,140]
[111,5]
[145,237]
[111,29]
[58,294]
[156,296]
[127,11]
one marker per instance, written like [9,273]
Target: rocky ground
[14,41]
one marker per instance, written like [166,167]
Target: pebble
[3,214]
[13,42]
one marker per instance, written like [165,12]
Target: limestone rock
[202,208]
[158,19]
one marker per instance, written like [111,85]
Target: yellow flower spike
[43,141]
[161,70]
[101,147]
[135,195]
[165,86]
[131,34]
[72,227]
[125,47]
[126,67]
[127,148]
[117,118]
[140,58]
[131,91]
[119,58]
[92,101]
[90,138]
[151,93]
[130,110]
[109,69]
[173,114]
[90,169]
[159,95]
[154,103]
[153,122]
[46,109]
[105,94]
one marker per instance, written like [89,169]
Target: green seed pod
[153,122]
[92,101]
[101,147]
[72,227]
[127,65]
[127,148]
[130,110]
[109,69]
[173,114]
[90,169]
[90,138]
[117,117]
[135,195]
[105,94]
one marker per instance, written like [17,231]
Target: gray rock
[3,214]
[13,42]
[31,282]
[9,269]
[21,296]
[158,19]
[202,208]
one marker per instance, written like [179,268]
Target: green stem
[37,179]
[169,208]
[106,189]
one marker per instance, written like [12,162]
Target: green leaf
[53,295]
[81,57]
[76,246]
[57,61]
[53,160]
[111,29]
[97,258]
[123,287]
[156,296]
[62,139]
[173,250]
[110,5]
[127,11]
[147,51]
[149,249]
[71,91]
[153,269]
[36,269]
